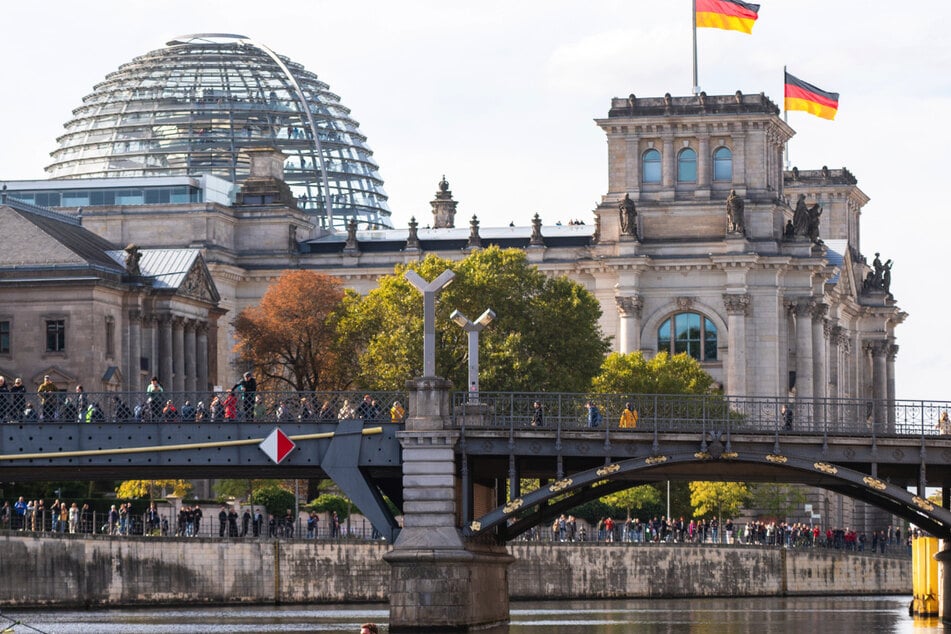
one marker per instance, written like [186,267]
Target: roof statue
[734,213]
[805,220]
[132,258]
[628,215]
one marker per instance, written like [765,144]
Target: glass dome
[192,107]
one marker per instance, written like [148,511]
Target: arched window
[650,166]
[691,333]
[722,164]
[687,166]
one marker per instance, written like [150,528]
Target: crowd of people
[65,517]
[242,402]
[567,528]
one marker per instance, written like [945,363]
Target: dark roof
[69,232]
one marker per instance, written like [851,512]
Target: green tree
[274,498]
[328,503]
[132,489]
[545,337]
[778,501]
[634,498]
[631,373]
[722,499]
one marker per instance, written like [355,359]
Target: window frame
[682,162]
[705,343]
[60,335]
[720,161]
[659,167]
[6,336]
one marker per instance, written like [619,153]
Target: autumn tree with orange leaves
[290,337]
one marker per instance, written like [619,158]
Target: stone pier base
[944,581]
[439,590]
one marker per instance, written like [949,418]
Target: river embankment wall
[71,571]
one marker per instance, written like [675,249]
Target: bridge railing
[666,413]
[207,407]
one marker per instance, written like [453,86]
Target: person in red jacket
[231,406]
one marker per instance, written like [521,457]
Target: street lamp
[429,290]
[473,328]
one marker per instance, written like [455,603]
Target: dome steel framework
[195,105]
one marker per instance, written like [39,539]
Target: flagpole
[696,86]
[785,116]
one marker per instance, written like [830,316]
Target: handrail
[197,406]
[707,413]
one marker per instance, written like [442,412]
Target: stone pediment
[62,379]
[197,283]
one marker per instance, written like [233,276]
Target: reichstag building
[229,163]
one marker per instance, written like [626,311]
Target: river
[812,615]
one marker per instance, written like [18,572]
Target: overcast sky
[500,96]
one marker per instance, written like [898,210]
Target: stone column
[803,410]
[703,164]
[190,382]
[629,331]
[802,309]
[633,168]
[891,353]
[133,382]
[737,310]
[201,357]
[668,162]
[617,160]
[819,387]
[878,349]
[178,358]
[439,582]
[846,373]
[739,159]
[833,336]
[165,370]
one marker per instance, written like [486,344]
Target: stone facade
[782,315]
[86,312]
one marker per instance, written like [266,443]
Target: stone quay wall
[72,571]
[614,571]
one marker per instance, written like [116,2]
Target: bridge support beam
[439,582]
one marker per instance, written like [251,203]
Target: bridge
[454,467]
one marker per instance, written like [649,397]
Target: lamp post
[429,290]
[473,328]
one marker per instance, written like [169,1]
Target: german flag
[800,95]
[731,15]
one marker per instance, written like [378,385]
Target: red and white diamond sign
[277,445]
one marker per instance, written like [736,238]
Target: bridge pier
[439,582]
[943,557]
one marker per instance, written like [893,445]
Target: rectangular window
[110,338]
[4,337]
[55,335]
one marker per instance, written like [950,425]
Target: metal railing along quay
[687,413]
[166,523]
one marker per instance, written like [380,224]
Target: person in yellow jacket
[397,412]
[628,417]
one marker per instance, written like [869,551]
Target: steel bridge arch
[543,504]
